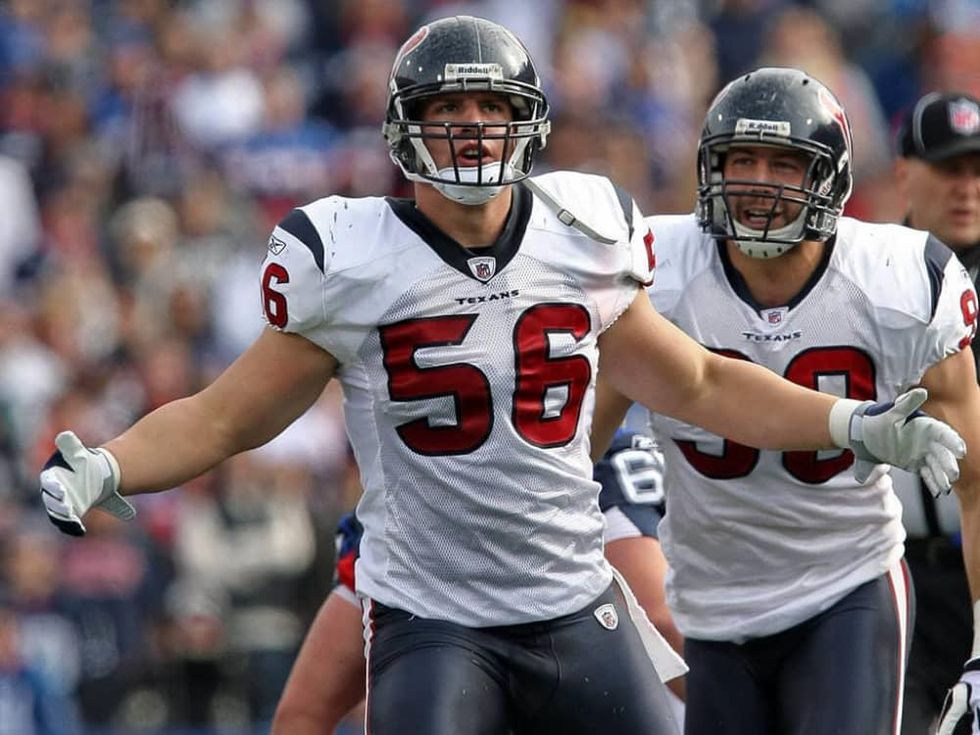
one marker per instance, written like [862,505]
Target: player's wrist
[110,468]
[839,422]
[109,499]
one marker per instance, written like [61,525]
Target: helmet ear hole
[406,154]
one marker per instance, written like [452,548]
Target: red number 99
[968,304]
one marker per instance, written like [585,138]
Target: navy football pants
[839,673]
[566,676]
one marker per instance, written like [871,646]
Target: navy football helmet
[461,54]
[785,108]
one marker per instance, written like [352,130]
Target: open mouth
[473,155]
[760,218]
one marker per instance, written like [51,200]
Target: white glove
[77,478]
[897,433]
[962,701]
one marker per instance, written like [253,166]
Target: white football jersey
[468,380]
[759,541]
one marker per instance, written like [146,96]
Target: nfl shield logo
[774,316]
[483,268]
[964,117]
[607,616]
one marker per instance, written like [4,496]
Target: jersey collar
[452,253]
[742,290]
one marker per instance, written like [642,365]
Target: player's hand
[75,479]
[899,434]
[962,701]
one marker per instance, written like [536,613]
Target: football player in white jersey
[327,680]
[464,326]
[786,574]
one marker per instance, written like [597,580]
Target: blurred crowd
[147,148]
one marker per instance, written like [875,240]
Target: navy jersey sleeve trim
[646,518]
[626,202]
[937,255]
[298,224]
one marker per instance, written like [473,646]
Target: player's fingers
[943,460]
[56,507]
[909,402]
[947,436]
[935,486]
[70,446]
[71,527]
[955,706]
[52,486]
[59,512]
[941,480]
[936,432]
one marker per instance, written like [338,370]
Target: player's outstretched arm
[955,398]
[327,679]
[261,393]
[649,360]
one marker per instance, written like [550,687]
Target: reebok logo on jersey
[607,616]
[276,245]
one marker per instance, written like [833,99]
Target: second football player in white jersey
[786,576]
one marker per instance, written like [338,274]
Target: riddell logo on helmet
[781,128]
[473,71]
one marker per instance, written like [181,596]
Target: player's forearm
[969,497]
[753,406]
[260,394]
[732,398]
[968,493]
[168,447]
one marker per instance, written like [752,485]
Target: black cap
[940,126]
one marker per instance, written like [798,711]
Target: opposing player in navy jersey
[786,574]
[327,680]
[465,326]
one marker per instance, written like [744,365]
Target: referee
[938,171]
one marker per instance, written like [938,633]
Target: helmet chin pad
[768,243]
[476,184]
